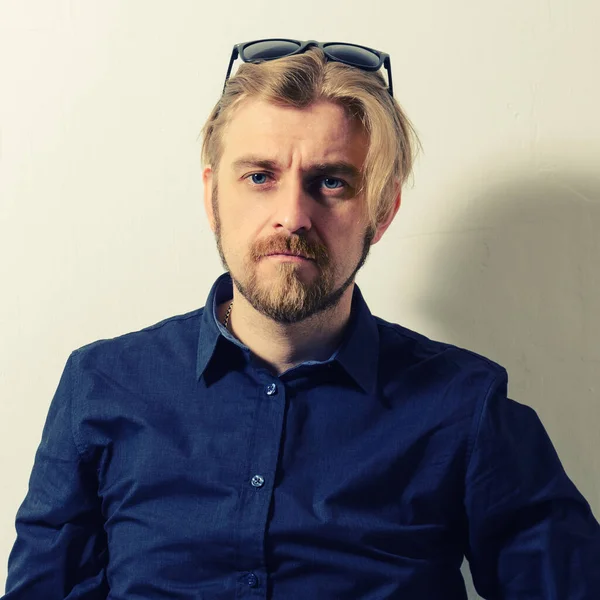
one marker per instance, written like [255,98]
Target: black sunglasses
[361,57]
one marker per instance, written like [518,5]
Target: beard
[287,297]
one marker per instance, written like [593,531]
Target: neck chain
[226,320]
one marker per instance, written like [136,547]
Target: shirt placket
[257,491]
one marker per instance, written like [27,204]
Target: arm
[60,551]
[532,535]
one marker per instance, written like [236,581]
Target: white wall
[496,246]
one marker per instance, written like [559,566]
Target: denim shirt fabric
[174,466]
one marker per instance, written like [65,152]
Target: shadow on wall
[517,278]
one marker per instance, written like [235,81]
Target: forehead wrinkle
[277,139]
[322,122]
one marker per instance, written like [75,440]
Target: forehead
[319,132]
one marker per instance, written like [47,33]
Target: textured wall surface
[496,246]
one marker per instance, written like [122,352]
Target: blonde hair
[306,78]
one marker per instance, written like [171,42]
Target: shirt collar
[358,352]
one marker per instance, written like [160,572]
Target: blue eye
[331,183]
[259,178]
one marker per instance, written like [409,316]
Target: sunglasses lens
[360,57]
[269,50]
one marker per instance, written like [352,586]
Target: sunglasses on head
[354,55]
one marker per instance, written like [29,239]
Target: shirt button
[257,481]
[271,389]
[252,580]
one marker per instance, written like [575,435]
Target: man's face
[288,182]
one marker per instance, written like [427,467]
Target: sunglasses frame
[384,59]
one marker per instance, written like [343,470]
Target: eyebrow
[318,169]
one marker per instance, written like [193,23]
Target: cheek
[349,236]
[237,236]
[243,217]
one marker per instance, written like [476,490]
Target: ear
[207,178]
[381,229]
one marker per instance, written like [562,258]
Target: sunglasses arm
[388,67]
[234,55]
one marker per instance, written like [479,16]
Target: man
[282,442]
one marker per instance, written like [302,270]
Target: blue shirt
[173,466]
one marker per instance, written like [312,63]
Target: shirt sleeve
[532,535]
[61,550]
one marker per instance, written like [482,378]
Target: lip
[288,257]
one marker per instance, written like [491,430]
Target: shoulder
[403,348]
[177,334]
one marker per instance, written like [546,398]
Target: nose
[292,208]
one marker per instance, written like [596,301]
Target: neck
[283,346]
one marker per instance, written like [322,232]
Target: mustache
[295,246]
